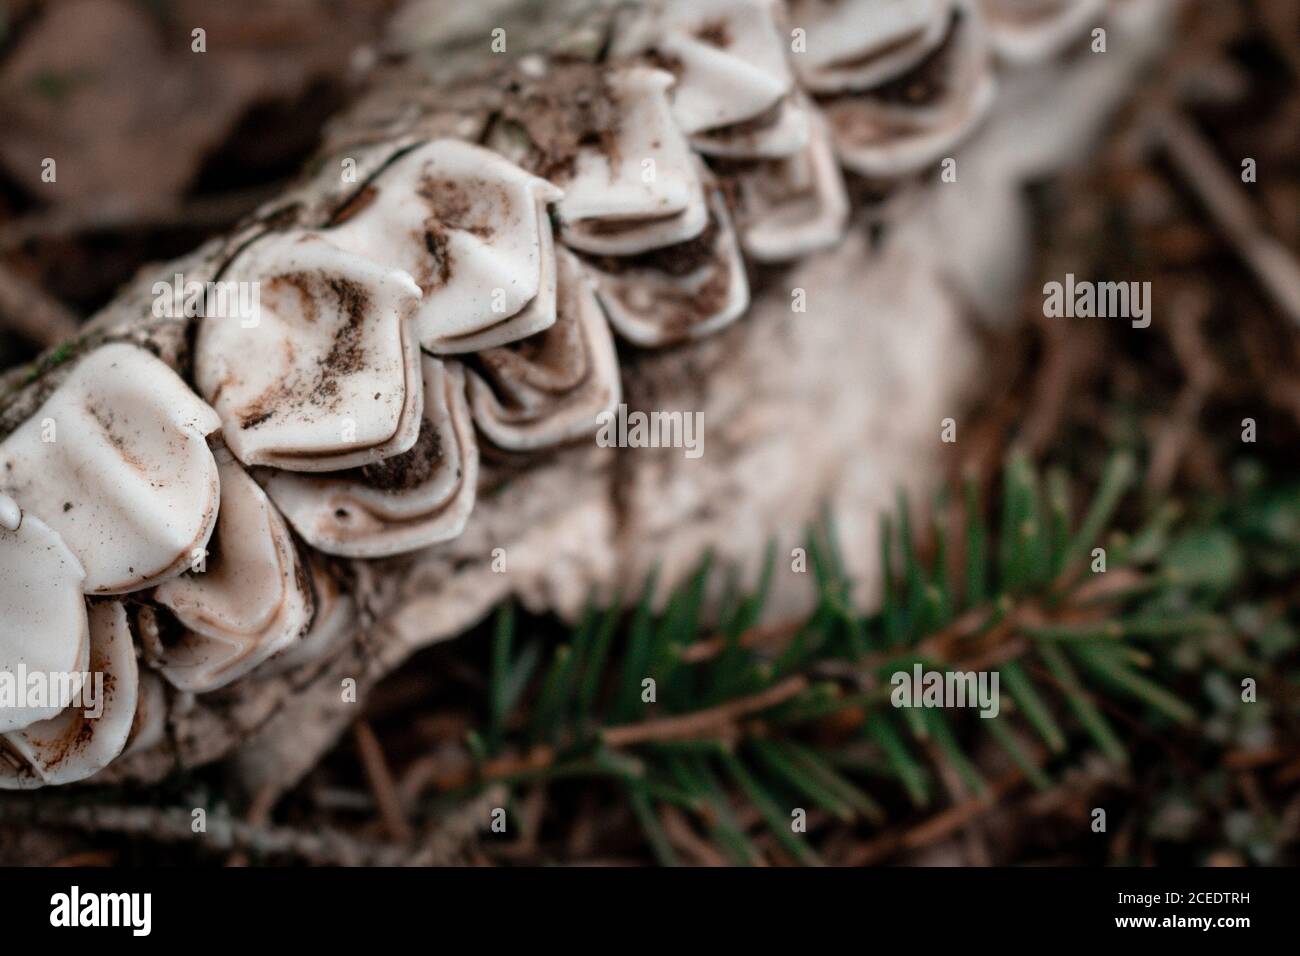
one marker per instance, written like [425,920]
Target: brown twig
[938,827]
[704,723]
[1272,263]
[321,846]
[27,310]
[381,782]
[259,814]
[711,647]
[203,213]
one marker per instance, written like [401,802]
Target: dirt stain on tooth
[107,423]
[304,288]
[715,33]
[410,469]
[571,107]
[355,205]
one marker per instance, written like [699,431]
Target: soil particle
[471,206]
[715,33]
[346,355]
[410,469]
[677,260]
[927,82]
[571,107]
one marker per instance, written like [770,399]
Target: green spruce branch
[770,720]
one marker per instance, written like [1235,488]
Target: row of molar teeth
[355,425]
[471,228]
[123,493]
[902,124]
[641,209]
[734,94]
[736,99]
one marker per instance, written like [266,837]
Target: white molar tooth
[1024,32]
[149,727]
[472,228]
[11,516]
[917,118]
[783,132]
[679,293]
[73,744]
[328,377]
[331,626]
[117,462]
[787,208]
[43,625]
[537,316]
[552,388]
[251,601]
[734,84]
[610,207]
[858,44]
[418,499]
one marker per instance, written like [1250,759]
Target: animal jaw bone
[788,396]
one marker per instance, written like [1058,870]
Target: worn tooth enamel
[11,516]
[783,131]
[642,190]
[149,727]
[42,613]
[733,87]
[679,293]
[858,44]
[472,229]
[331,626]
[328,377]
[537,316]
[1023,32]
[117,462]
[551,388]
[918,117]
[249,602]
[75,744]
[788,208]
[409,502]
